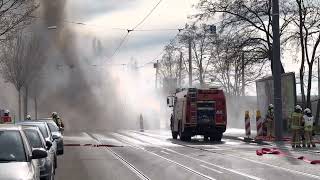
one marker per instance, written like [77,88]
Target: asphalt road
[155,155]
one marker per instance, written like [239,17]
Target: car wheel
[61,152]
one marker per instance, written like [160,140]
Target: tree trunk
[302,46]
[19,103]
[309,86]
[26,102]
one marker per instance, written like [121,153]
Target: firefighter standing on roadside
[296,122]
[28,118]
[308,122]
[269,121]
[57,120]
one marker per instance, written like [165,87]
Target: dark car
[56,134]
[37,141]
[18,161]
[46,133]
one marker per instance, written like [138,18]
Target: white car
[17,159]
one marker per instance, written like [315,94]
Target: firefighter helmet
[270,106]
[307,111]
[298,108]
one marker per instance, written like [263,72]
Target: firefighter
[269,121]
[57,120]
[28,118]
[296,121]
[6,113]
[308,122]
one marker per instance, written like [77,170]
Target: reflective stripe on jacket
[296,120]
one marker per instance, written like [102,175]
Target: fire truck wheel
[174,135]
[216,137]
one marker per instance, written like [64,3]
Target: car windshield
[53,127]
[11,147]
[34,138]
[41,126]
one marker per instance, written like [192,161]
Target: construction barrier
[247,124]
[259,124]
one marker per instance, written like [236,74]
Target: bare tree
[236,63]
[15,14]
[246,15]
[307,21]
[202,45]
[21,61]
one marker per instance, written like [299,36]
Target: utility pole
[190,62]
[35,107]
[156,65]
[180,69]
[276,71]
[242,68]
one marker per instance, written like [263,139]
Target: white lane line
[270,165]
[165,152]
[121,159]
[221,167]
[277,167]
[205,162]
[174,162]
[211,169]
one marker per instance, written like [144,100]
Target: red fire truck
[198,112]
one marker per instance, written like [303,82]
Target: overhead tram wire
[133,29]
[148,15]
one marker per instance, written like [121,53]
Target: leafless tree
[307,36]
[171,63]
[236,63]
[246,15]
[202,40]
[14,15]
[21,60]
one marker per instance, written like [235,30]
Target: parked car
[18,161]
[47,167]
[46,133]
[56,134]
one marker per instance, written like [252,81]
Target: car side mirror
[48,144]
[54,137]
[39,154]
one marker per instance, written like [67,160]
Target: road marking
[205,162]
[165,152]
[221,167]
[122,160]
[211,169]
[174,162]
[277,167]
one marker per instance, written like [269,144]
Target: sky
[108,20]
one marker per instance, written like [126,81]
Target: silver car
[37,141]
[56,134]
[45,131]
[17,160]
